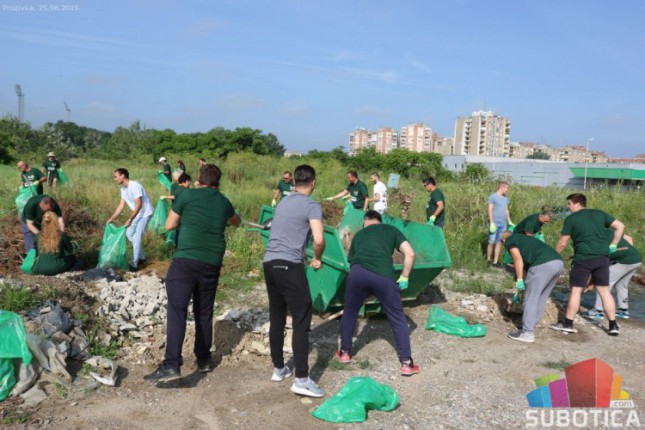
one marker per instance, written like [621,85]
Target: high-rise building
[358,139]
[483,133]
[443,145]
[416,138]
[385,139]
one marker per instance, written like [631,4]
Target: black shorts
[594,270]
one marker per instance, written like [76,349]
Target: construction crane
[68,110]
[21,103]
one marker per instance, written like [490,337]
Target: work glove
[329,199]
[273,203]
[163,197]
[431,220]
[492,228]
[539,236]
[403,282]
[520,285]
[612,248]
[511,228]
[518,297]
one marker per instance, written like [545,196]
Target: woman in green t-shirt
[54,251]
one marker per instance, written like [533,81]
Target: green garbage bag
[7,377]
[114,249]
[29,261]
[62,178]
[441,321]
[157,223]
[24,194]
[164,181]
[358,395]
[13,340]
[171,238]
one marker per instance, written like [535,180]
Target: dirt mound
[332,213]
[12,246]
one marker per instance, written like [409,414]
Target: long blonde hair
[50,235]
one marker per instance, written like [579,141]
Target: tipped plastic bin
[327,284]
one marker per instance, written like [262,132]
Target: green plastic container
[327,284]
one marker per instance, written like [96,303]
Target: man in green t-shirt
[32,216]
[51,166]
[542,265]
[165,168]
[587,229]
[532,224]
[372,273]
[31,176]
[435,208]
[285,187]
[194,272]
[623,265]
[356,190]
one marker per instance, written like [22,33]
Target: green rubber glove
[492,228]
[539,236]
[431,220]
[329,199]
[511,228]
[403,282]
[520,285]
[273,203]
[612,248]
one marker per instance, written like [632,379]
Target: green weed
[561,364]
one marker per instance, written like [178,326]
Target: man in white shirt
[379,195]
[133,194]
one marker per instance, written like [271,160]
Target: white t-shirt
[133,191]
[381,189]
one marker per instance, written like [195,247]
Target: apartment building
[416,138]
[358,139]
[443,145]
[384,140]
[483,133]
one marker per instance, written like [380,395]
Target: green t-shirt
[176,191]
[373,246]
[435,197]
[357,194]
[166,171]
[34,213]
[533,251]
[204,214]
[31,176]
[624,256]
[531,224]
[53,263]
[286,188]
[51,168]
[587,230]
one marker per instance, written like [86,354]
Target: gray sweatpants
[540,281]
[619,277]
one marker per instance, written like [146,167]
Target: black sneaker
[614,330]
[561,327]
[142,262]
[205,367]
[131,268]
[163,374]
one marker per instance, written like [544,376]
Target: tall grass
[248,180]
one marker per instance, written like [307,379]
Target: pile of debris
[246,331]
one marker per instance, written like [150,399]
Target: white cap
[162,159]
[51,154]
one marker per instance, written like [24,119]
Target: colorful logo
[588,384]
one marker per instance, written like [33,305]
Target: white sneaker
[522,336]
[280,374]
[309,388]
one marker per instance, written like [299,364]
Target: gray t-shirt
[290,228]
[499,207]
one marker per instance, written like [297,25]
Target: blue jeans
[135,236]
[497,236]
[361,283]
[28,236]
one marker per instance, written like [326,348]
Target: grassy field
[248,181]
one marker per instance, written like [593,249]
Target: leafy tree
[539,155]
[476,172]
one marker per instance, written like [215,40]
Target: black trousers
[185,279]
[288,288]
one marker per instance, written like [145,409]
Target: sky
[311,72]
